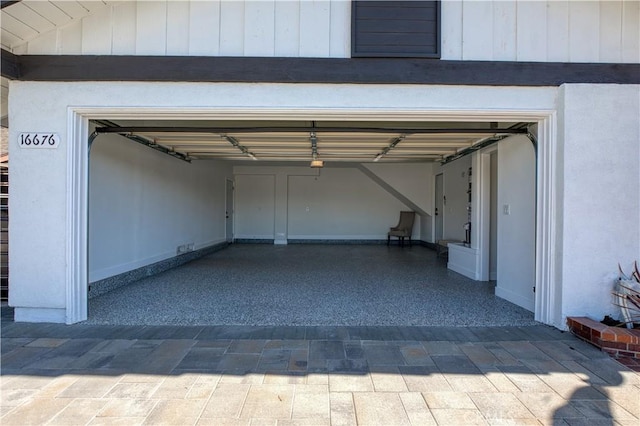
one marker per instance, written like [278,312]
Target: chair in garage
[403,229]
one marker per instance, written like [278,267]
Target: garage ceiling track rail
[142,141]
[305,129]
[343,143]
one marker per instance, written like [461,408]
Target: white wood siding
[311,28]
[541,31]
[502,30]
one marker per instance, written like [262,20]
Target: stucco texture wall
[46,230]
[600,144]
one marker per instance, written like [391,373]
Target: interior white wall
[426,228]
[255,206]
[340,203]
[413,180]
[144,204]
[554,31]
[516,255]
[288,202]
[600,141]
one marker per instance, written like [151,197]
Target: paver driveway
[82,374]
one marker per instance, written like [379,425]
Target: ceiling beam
[10,65]
[314,70]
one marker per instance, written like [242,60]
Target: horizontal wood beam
[9,65]
[319,70]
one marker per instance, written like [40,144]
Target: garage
[294,196]
[128,208]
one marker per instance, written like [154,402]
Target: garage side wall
[516,227]
[145,206]
[601,199]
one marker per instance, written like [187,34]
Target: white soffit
[28,19]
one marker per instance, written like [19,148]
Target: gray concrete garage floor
[251,284]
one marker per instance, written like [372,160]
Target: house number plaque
[38,140]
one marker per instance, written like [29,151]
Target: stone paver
[384,408]
[99,375]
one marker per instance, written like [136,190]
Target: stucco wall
[600,142]
[144,204]
[42,245]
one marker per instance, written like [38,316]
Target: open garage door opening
[319,196]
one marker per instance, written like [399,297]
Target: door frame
[229,213]
[435,206]
[548,287]
[484,200]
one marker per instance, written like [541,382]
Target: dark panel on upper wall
[395,29]
[319,70]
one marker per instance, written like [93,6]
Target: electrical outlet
[185,248]
[506,209]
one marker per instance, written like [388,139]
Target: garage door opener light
[315,163]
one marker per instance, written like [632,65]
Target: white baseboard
[461,269]
[338,237]
[528,304]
